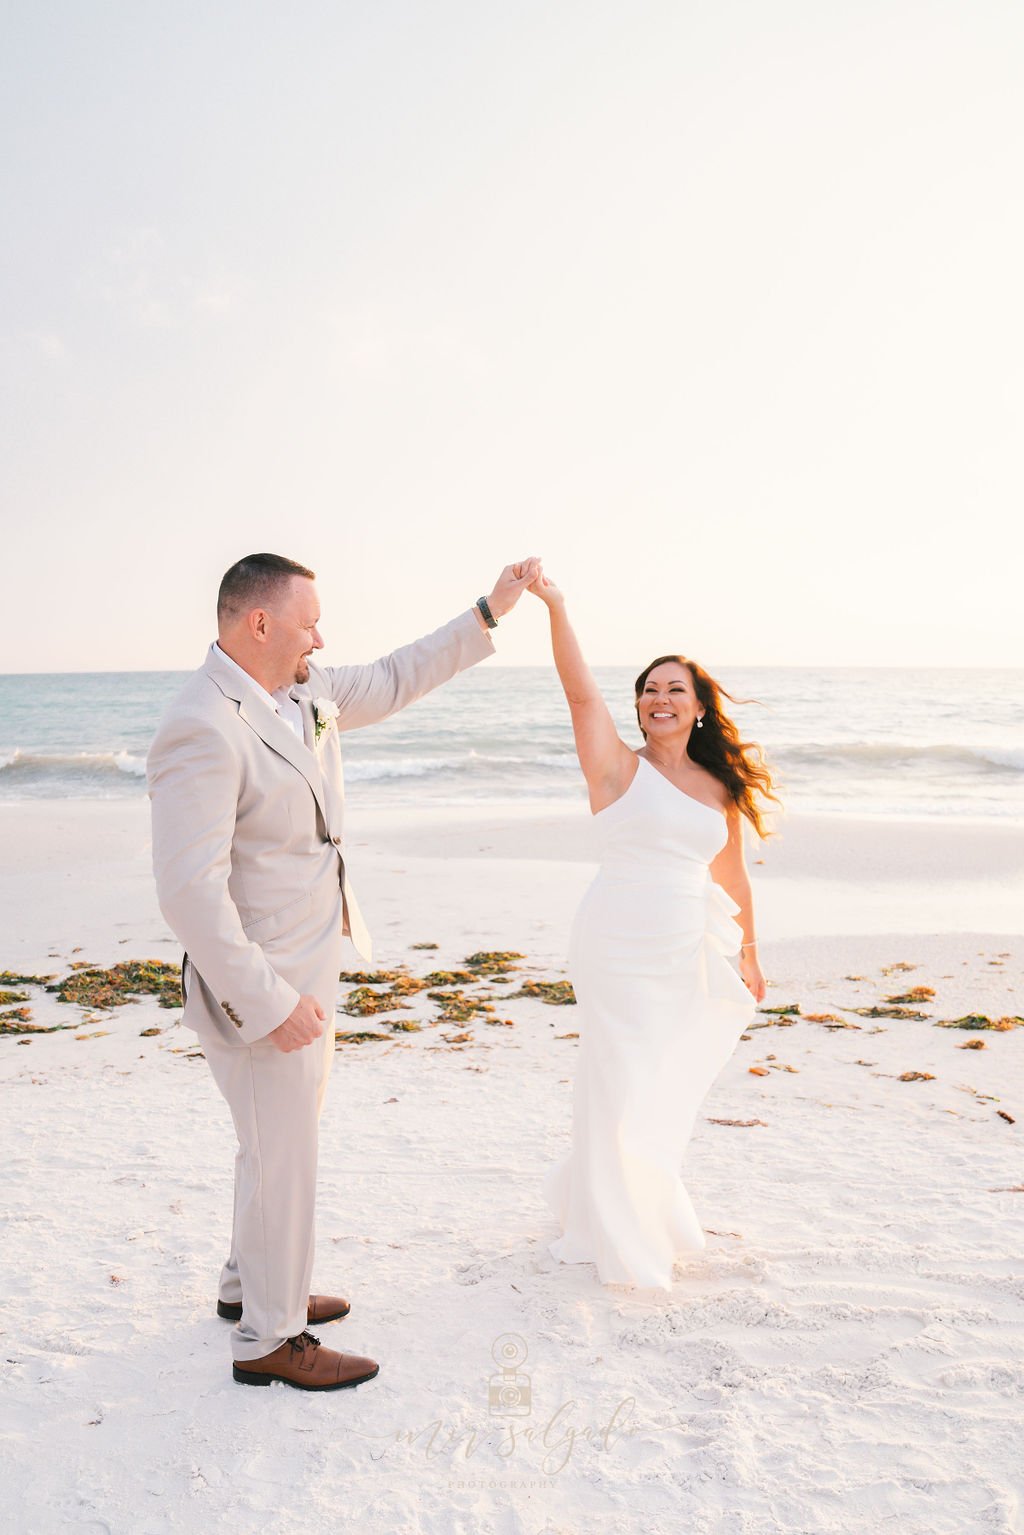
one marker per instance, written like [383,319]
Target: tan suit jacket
[248,828]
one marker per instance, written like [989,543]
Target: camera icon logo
[508,1392]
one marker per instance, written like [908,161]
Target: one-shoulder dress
[661,1009]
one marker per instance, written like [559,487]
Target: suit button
[336,841]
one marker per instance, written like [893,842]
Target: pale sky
[717,307]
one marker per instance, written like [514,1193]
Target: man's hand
[511,585]
[301,1027]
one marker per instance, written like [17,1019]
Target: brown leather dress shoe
[303,1361]
[321,1308]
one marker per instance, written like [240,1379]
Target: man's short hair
[255,580]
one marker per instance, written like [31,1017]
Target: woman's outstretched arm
[608,763]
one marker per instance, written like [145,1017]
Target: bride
[661,1006]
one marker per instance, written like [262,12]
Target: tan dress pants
[275,1098]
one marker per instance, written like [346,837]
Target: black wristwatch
[485,609]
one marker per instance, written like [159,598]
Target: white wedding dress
[661,1009]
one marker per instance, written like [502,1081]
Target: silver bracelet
[752,944]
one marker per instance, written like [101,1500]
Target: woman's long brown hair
[740,765]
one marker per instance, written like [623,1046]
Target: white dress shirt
[279,700]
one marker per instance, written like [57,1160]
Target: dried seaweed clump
[122,983]
[405,985]
[979,1021]
[12,978]
[370,977]
[556,993]
[915,994]
[783,1008]
[887,1012]
[456,1007]
[493,962]
[17,1020]
[364,1002]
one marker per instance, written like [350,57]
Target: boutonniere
[325,712]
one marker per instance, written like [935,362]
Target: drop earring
[700,722]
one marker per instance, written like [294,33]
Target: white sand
[847,1355]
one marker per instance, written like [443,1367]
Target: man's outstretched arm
[366,694]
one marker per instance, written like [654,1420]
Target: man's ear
[258,625]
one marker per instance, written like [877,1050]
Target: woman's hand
[750,970]
[511,584]
[547,591]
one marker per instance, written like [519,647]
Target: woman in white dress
[661,1006]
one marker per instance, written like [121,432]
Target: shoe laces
[302,1339]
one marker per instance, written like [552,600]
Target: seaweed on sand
[405,985]
[456,1007]
[887,1012]
[364,1002]
[371,977]
[555,993]
[979,1021]
[17,1020]
[830,1020]
[122,983]
[493,962]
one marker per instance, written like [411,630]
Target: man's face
[292,633]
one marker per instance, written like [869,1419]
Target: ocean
[882,742]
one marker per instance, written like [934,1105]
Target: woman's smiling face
[668,703]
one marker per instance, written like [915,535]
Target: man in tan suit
[245,782]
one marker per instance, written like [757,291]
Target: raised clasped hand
[544,588]
[511,585]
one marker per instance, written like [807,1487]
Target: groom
[245,783]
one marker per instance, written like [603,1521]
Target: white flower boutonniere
[325,712]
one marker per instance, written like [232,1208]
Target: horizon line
[537,666]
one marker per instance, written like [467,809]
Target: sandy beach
[847,1354]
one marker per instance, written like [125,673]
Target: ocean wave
[91,766]
[881,755]
[376,771]
[70,770]
[985,777]
[479,764]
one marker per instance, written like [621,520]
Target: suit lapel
[269,725]
[301,695]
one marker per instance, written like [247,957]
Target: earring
[700,722]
